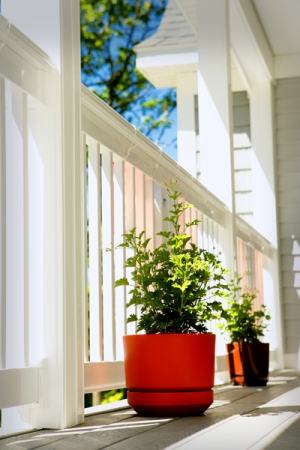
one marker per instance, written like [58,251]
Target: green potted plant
[247,356]
[169,369]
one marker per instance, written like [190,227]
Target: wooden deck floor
[240,418]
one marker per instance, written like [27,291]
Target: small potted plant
[247,356]
[169,369]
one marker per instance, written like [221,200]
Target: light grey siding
[287,109]
[242,155]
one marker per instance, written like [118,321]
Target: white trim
[105,125]
[21,387]
[96,375]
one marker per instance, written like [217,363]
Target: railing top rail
[106,126]
[24,47]
[249,234]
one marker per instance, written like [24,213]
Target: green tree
[109,31]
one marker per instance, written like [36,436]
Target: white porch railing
[123,189]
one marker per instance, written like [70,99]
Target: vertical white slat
[15,229]
[119,229]
[200,230]
[129,224]
[210,234]
[108,256]
[166,206]
[35,237]
[205,232]
[194,228]
[27,323]
[187,218]
[157,213]
[2,225]
[139,201]
[85,244]
[95,279]
[149,206]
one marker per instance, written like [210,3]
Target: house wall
[287,109]
[242,155]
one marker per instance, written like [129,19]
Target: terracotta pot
[248,363]
[169,374]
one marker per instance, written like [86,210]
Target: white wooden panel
[291,279]
[139,201]
[243,180]
[288,88]
[291,294]
[290,198]
[288,120]
[95,270]
[26,229]
[288,136]
[292,311]
[285,152]
[149,213]
[119,229]
[289,262]
[287,105]
[289,167]
[288,182]
[108,257]
[103,376]
[158,200]
[2,225]
[15,230]
[129,224]
[200,243]
[289,214]
[85,245]
[243,202]
[290,246]
[21,386]
[242,159]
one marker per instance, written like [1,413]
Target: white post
[263,175]
[215,114]
[186,135]
[264,200]
[54,26]
[214,96]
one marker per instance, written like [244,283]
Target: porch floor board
[241,418]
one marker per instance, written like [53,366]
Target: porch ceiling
[265,41]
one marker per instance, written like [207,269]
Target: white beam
[249,42]
[214,96]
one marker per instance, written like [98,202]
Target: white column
[54,26]
[264,201]
[214,96]
[186,136]
[215,115]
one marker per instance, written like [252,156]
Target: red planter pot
[248,364]
[169,374]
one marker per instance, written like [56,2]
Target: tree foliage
[109,31]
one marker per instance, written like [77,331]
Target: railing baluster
[119,229]
[85,243]
[94,251]
[108,257]
[157,212]
[2,225]
[129,224]
[149,206]
[26,230]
